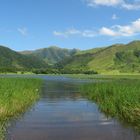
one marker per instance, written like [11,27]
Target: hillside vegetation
[51,55]
[117,58]
[11,60]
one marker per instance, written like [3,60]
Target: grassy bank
[118,98]
[16,94]
[100,76]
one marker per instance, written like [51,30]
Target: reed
[117,98]
[16,94]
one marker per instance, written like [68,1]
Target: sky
[81,24]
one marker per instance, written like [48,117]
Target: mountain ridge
[104,60]
[52,54]
[117,58]
[10,59]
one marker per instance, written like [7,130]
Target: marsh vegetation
[119,98]
[16,95]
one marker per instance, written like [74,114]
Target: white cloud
[23,31]
[75,32]
[67,33]
[135,5]
[56,33]
[118,30]
[104,2]
[88,33]
[114,31]
[114,17]
[107,31]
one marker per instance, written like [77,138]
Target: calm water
[62,114]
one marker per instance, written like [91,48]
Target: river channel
[63,114]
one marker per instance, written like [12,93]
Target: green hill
[51,55]
[117,58]
[10,59]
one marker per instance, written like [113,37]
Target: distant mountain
[12,59]
[51,55]
[118,58]
[113,59]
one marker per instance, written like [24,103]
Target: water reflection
[62,114]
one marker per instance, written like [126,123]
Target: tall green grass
[16,94]
[117,98]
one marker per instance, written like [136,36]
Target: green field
[118,97]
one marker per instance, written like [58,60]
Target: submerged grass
[118,98]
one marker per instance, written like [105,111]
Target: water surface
[62,114]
